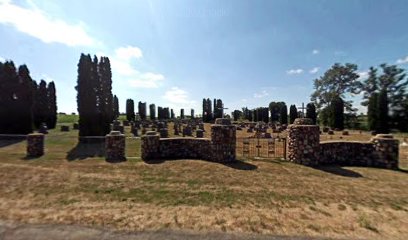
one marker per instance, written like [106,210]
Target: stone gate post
[35,145]
[115,145]
[387,151]
[150,146]
[303,142]
[223,140]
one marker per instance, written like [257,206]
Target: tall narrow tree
[311,112]
[293,114]
[115,106]
[130,110]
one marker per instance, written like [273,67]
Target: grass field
[73,184]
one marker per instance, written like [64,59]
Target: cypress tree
[382,108]
[115,106]
[41,105]
[142,110]
[311,112]
[336,119]
[293,113]
[192,114]
[105,95]
[283,115]
[372,112]
[172,114]
[130,110]
[152,109]
[52,105]
[160,113]
[181,113]
[25,101]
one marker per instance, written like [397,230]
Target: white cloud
[178,98]
[126,53]
[294,71]
[402,60]
[123,67]
[315,51]
[363,75]
[261,94]
[38,24]
[314,70]
[145,80]
[2,59]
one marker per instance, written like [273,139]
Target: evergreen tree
[105,96]
[172,114]
[24,101]
[311,112]
[130,110]
[192,114]
[336,119]
[41,105]
[115,106]
[51,106]
[382,108]
[372,112]
[181,113]
[152,109]
[293,113]
[283,115]
[142,110]
[160,113]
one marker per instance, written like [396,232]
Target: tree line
[384,93]
[24,104]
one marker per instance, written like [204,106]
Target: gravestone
[199,133]
[115,146]
[64,128]
[35,145]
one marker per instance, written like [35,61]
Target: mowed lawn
[73,184]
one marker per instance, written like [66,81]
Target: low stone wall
[346,153]
[220,148]
[380,152]
[304,148]
[181,148]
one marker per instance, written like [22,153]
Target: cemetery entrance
[272,148]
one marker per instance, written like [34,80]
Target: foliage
[293,113]
[311,112]
[372,112]
[130,110]
[275,109]
[94,96]
[382,108]
[207,110]
[283,115]
[142,110]
[152,110]
[182,113]
[336,117]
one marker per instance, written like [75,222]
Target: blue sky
[175,53]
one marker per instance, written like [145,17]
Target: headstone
[64,128]
[115,145]
[35,145]
[43,129]
[199,133]
[76,126]
[164,133]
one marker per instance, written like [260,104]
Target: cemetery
[119,142]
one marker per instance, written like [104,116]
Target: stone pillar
[35,145]
[164,133]
[115,146]
[223,141]
[199,133]
[303,142]
[150,146]
[387,151]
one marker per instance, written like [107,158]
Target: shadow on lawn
[237,164]
[338,170]
[4,142]
[86,150]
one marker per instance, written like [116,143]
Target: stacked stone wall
[346,153]
[303,144]
[220,148]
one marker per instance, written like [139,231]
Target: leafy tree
[335,83]
[237,114]
[130,110]
[311,112]
[293,113]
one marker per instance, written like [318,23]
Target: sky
[174,53]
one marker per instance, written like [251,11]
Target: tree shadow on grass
[338,170]
[237,164]
[86,150]
[4,142]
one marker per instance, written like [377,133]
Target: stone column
[35,145]
[223,140]
[164,133]
[303,142]
[150,146]
[115,145]
[199,133]
[386,150]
